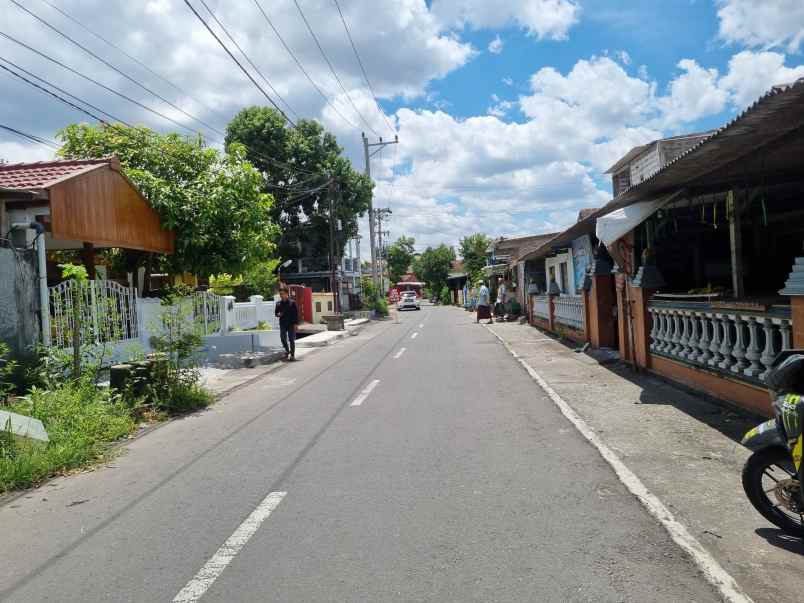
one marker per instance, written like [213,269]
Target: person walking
[484,304]
[288,313]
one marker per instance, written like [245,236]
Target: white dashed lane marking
[213,568]
[361,397]
[399,353]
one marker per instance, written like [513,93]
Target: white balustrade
[569,311]
[541,306]
[742,345]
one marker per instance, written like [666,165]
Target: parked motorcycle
[773,476]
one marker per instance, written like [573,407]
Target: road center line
[421,325]
[399,353]
[414,336]
[213,568]
[361,397]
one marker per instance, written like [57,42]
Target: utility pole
[368,155]
[381,214]
[333,283]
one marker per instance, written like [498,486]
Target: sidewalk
[685,450]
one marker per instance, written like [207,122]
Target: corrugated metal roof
[43,174]
[776,113]
[585,225]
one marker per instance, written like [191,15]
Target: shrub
[381,307]
[445,297]
[7,369]
[80,420]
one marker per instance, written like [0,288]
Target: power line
[362,68]
[55,87]
[97,83]
[243,69]
[332,69]
[53,94]
[31,137]
[250,62]
[301,67]
[115,69]
[127,55]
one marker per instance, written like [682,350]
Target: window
[564,280]
[552,276]
[329,306]
[318,307]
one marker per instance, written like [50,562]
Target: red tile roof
[43,174]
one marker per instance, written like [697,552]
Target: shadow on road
[779,539]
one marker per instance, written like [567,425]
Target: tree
[214,202]
[473,251]
[297,163]
[433,266]
[400,255]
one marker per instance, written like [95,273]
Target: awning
[411,283]
[622,221]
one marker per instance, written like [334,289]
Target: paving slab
[683,447]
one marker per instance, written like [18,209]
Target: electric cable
[97,83]
[301,67]
[31,137]
[362,68]
[250,62]
[115,69]
[55,87]
[53,94]
[332,68]
[232,56]
[129,56]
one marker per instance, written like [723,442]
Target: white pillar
[227,313]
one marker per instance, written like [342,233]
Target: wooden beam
[88,255]
[736,245]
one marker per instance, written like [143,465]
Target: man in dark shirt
[288,313]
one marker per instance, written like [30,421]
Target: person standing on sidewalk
[484,304]
[288,313]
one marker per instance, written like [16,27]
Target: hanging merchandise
[764,213]
[714,211]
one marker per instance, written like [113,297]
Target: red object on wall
[303,296]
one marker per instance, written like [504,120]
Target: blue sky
[508,112]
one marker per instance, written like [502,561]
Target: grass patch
[81,421]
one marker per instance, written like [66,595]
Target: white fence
[112,316]
[569,311]
[742,345]
[107,313]
[541,306]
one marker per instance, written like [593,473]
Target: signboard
[581,258]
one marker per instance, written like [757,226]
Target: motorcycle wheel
[762,474]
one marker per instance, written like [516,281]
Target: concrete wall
[19,299]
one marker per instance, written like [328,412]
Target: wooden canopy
[89,201]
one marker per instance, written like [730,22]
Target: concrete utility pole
[368,155]
[381,214]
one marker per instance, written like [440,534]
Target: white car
[408,301]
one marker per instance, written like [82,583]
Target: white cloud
[762,23]
[507,81]
[693,94]
[751,74]
[544,19]
[496,45]
[624,57]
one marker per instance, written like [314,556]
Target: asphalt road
[362,473]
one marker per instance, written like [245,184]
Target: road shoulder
[681,447]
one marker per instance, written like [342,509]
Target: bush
[381,306]
[445,297]
[80,420]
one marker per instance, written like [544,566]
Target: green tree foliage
[473,251]
[400,256]
[214,202]
[296,160]
[433,266]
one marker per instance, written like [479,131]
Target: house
[501,264]
[64,205]
[315,272]
[457,282]
[705,248]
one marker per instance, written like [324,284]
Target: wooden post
[736,244]
[88,256]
